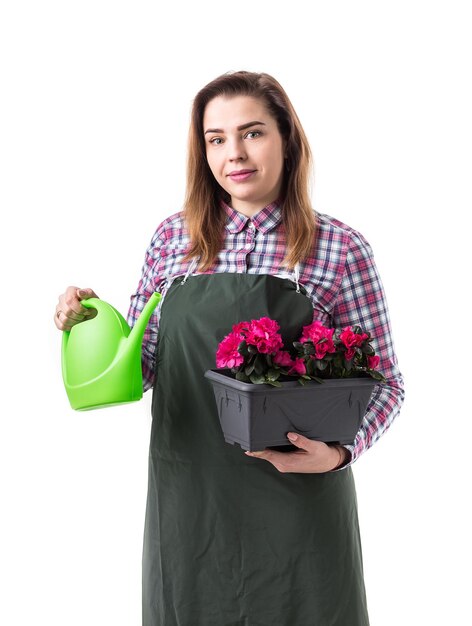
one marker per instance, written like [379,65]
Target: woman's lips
[241,175]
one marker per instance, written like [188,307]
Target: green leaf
[259,364]
[249,369]
[274,383]
[257,379]
[243,348]
[377,376]
[273,374]
[242,376]
[310,367]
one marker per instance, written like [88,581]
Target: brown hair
[204,216]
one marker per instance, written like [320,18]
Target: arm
[361,300]
[149,283]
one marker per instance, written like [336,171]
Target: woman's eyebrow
[242,127]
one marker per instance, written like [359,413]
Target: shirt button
[252,227]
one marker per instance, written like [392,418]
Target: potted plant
[319,388]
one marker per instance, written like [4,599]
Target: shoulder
[340,254]
[171,227]
[333,234]
[170,233]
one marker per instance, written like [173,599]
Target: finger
[255,452]
[61,322]
[279,460]
[268,455]
[69,310]
[300,441]
[69,304]
[70,314]
[82,294]
[57,321]
[86,292]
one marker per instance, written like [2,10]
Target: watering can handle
[96,303]
[92,303]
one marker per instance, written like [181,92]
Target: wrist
[341,458]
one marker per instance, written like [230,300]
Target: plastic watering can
[101,357]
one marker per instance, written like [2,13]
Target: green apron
[229,540]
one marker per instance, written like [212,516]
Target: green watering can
[101,357]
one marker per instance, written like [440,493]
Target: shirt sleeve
[152,278]
[361,300]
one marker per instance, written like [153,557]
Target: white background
[95,101]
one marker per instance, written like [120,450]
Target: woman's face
[245,151]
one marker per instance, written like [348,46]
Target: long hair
[202,208]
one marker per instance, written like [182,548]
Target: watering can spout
[136,335]
[101,357]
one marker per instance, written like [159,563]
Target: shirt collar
[265,220]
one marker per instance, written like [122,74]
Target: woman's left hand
[312,457]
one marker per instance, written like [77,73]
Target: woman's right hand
[69,311]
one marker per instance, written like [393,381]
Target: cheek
[273,157]
[276,165]
[213,164]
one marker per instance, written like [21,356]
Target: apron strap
[190,269]
[296,274]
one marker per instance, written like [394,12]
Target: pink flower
[227,354]
[263,334]
[282,358]
[321,337]
[349,354]
[351,339]
[262,337]
[316,331]
[240,327]
[373,362]
[298,367]
[323,347]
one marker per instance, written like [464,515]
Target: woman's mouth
[239,176]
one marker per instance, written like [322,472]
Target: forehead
[229,112]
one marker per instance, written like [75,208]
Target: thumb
[299,440]
[84,293]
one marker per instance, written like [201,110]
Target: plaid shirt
[340,278]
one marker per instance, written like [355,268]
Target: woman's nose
[236,151]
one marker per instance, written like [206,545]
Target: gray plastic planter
[260,416]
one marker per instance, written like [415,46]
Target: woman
[269,538]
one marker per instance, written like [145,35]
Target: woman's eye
[216,141]
[252,134]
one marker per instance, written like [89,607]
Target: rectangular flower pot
[260,416]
